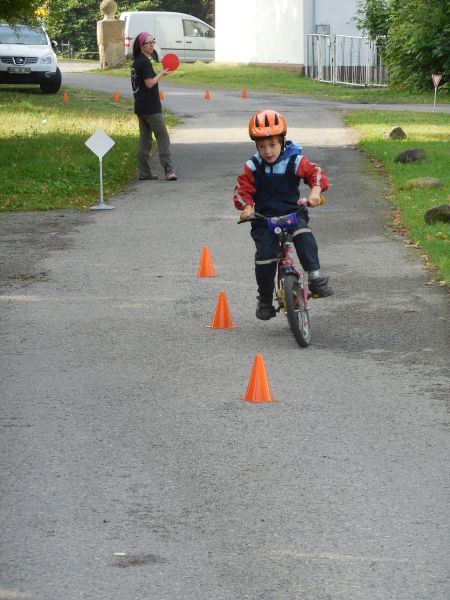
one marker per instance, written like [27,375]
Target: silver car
[27,56]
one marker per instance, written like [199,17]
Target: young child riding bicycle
[269,185]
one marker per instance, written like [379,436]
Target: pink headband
[142,37]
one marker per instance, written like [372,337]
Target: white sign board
[436,79]
[100,143]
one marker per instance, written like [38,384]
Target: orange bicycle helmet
[266,123]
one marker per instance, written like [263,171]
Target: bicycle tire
[297,314]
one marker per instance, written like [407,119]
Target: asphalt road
[132,469]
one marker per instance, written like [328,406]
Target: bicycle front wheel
[297,315]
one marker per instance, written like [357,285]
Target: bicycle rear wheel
[297,315]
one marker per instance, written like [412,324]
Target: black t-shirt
[146,101]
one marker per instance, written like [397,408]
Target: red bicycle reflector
[170,61]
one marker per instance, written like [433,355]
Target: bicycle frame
[283,228]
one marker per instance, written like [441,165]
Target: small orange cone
[161,95]
[244,94]
[207,96]
[206,267]
[65,97]
[258,389]
[116,97]
[222,317]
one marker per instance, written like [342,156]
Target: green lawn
[45,163]
[428,131]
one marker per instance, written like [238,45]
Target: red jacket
[249,182]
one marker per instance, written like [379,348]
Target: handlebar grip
[304,201]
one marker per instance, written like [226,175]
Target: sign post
[436,80]
[100,143]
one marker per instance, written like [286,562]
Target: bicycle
[291,288]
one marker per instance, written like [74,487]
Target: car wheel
[52,85]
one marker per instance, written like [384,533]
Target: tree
[418,42]
[414,36]
[372,17]
[74,21]
[19,11]
[202,9]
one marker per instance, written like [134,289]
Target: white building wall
[273,31]
[338,15]
[261,31]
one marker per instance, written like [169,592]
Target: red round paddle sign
[170,61]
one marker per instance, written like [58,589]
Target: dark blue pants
[268,249]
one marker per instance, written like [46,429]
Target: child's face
[270,148]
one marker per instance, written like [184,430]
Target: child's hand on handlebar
[314,196]
[307,202]
[247,212]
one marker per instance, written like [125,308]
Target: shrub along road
[123,431]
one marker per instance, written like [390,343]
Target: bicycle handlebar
[303,202]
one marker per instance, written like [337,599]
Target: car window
[20,34]
[197,29]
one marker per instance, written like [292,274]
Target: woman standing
[147,107]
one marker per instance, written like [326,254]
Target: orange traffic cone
[161,95]
[222,318]
[244,94]
[258,389]
[65,97]
[116,97]
[206,267]
[207,96]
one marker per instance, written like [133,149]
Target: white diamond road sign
[100,143]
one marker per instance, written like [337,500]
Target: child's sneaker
[319,288]
[265,310]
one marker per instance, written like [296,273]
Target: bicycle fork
[286,265]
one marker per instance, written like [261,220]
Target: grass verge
[431,132]
[257,78]
[45,163]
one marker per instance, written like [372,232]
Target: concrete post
[110,39]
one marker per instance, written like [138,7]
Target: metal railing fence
[351,60]
[66,51]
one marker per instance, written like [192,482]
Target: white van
[184,35]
